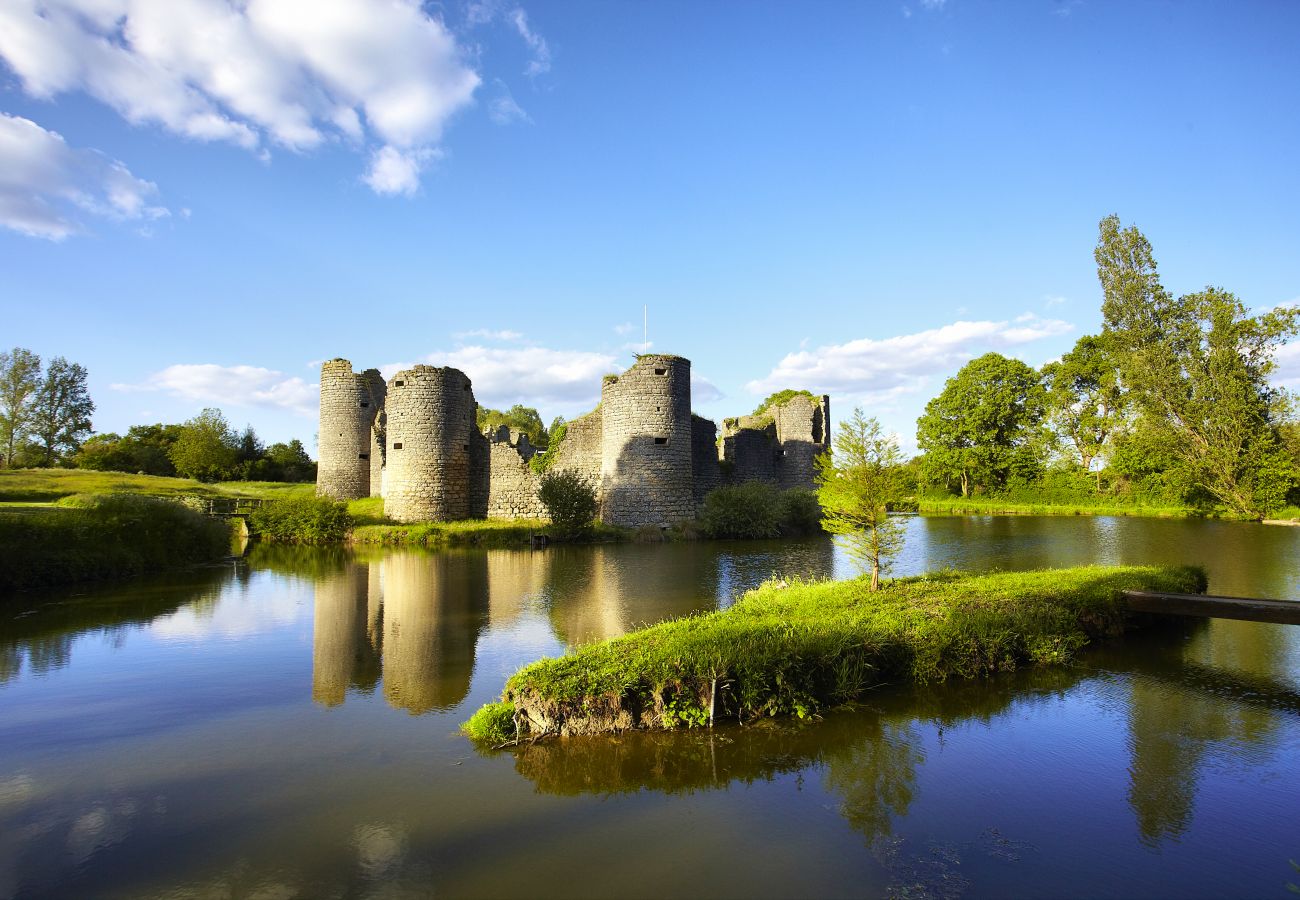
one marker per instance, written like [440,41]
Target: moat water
[287,727]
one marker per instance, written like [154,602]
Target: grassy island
[791,649]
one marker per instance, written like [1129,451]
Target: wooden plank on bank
[1281,612]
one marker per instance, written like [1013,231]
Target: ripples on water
[286,727]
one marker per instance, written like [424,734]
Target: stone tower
[645,468]
[347,414]
[429,429]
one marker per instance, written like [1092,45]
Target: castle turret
[430,426]
[347,413]
[646,443]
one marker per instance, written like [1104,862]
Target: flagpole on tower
[645,329]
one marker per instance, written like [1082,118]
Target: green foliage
[518,417]
[145,449]
[790,649]
[60,411]
[748,510]
[301,520]
[1197,371]
[205,448]
[492,725]
[984,426]
[104,536]
[756,509]
[542,462]
[20,374]
[781,398]
[570,501]
[855,485]
[1084,400]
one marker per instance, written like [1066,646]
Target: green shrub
[570,501]
[749,510]
[301,520]
[492,726]
[800,513]
[92,537]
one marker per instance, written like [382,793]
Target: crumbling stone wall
[581,448]
[431,425]
[749,447]
[706,471]
[802,433]
[347,412]
[646,443]
[512,485]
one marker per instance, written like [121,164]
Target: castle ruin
[414,441]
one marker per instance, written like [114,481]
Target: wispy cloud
[503,109]
[485,12]
[1054,300]
[625,328]
[703,390]
[489,335]
[233,386]
[887,369]
[45,185]
[534,376]
[384,77]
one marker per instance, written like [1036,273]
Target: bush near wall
[756,509]
[570,502]
[90,537]
[301,520]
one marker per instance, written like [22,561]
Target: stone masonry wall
[749,445]
[706,471]
[431,422]
[346,413]
[581,448]
[646,444]
[802,434]
[512,485]
[378,422]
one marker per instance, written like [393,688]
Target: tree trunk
[965,484]
[875,576]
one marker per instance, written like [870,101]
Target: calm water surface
[286,727]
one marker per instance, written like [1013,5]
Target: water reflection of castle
[411,621]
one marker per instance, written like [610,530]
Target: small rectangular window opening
[397,446]
[365,403]
[661,440]
[661,371]
[466,446]
[363,456]
[398,383]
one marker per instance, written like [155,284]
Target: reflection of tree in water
[1191,698]
[876,777]
[40,630]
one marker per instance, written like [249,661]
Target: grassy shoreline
[792,649]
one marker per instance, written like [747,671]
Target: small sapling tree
[570,501]
[854,485]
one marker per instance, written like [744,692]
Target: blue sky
[199,201]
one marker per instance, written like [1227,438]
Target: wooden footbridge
[229,507]
[1207,606]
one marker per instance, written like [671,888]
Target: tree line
[1169,405]
[45,422]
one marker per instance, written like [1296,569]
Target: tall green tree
[20,376]
[1196,368]
[1085,403]
[519,417]
[60,410]
[206,448]
[855,484]
[984,425]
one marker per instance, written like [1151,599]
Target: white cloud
[503,109]
[540,64]
[488,334]
[295,73]
[703,390]
[233,385]
[535,376]
[885,370]
[484,12]
[625,328]
[638,346]
[394,171]
[1054,300]
[44,183]
[1287,373]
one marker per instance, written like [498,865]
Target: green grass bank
[99,537]
[978,506]
[793,649]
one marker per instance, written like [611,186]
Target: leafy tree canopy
[519,417]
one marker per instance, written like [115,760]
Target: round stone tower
[430,424]
[347,412]
[646,443]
